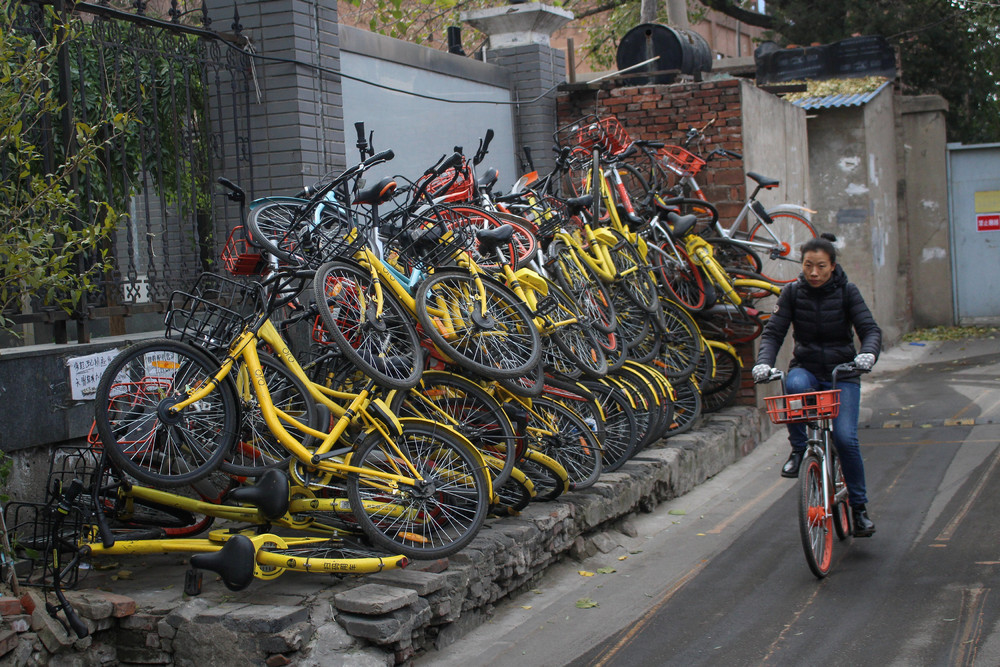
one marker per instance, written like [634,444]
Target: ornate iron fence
[189,93]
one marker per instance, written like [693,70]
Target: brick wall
[664,113]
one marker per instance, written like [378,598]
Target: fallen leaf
[677,512]
[124,574]
[525,606]
[622,557]
[606,570]
[585,573]
[701,534]
[585,603]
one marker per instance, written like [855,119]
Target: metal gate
[974,208]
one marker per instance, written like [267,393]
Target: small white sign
[85,373]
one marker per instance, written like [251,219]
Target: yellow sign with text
[988,201]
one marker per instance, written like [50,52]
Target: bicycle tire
[659,403]
[633,274]
[815,526]
[730,325]
[632,322]
[621,440]
[512,344]
[257,449]
[559,433]
[735,256]
[614,350]
[636,186]
[438,516]
[680,277]
[580,280]
[271,226]
[682,342]
[320,554]
[792,229]
[687,407]
[643,405]
[515,494]
[577,341]
[382,343]
[468,409]
[141,439]
[842,520]
[721,389]
[530,385]
[549,478]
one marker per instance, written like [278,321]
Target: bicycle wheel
[681,278]
[139,433]
[632,322]
[815,524]
[841,508]
[614,349]
[256,448]
[320,554]
[643,404]
[514,495]
[580,280]
[658,399]
[465,407]
[378,335]
[438,515]
[687,407]
[734,256]
[682,342]
[561,434]
[730,325]
[636,185]
[274,227]
[791,229]
[549,478]
[633,274]
[500,342]
[528,386]
[621,440]
[577,341]
[721,389]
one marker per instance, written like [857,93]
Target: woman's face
[817,267]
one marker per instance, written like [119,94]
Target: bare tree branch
[728,8]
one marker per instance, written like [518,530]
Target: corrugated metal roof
[840,99]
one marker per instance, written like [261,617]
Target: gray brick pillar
[296,127]
[519,41]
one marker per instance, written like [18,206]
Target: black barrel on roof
[676,49]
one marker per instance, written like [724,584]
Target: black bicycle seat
[577,204]
[488,180]
[682,224]
[234,562]
[490,239]
[764,181]
[377,193]
[269,494]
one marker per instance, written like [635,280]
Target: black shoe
[863,526]
[791,467]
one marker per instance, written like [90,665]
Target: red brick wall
[664,113]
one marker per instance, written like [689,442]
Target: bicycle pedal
[192,582]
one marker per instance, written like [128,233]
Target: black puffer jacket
[822,318]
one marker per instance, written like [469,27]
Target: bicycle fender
[792,208]
[605,236]
[533,280]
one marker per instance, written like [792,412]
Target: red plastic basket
[590,131]
[449,187]
[811,406]
[239,257]
[680,159]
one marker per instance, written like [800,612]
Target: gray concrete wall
[852,162]
[420,130]
[924,219]
[775,144]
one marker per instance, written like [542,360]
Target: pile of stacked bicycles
[385,365]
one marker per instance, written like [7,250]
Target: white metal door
[974,206]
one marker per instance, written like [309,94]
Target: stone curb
[387,618]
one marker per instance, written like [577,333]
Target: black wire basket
[213,313]
[434,238]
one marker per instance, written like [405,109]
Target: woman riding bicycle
[823,307]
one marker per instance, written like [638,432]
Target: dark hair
[822,242]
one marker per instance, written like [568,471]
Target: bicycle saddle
[577,204]
[488,180]
[681,224]
[490,239]
[234,562]
[764,181]
[269,494]
[377,193]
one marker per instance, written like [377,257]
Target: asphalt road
[718,577]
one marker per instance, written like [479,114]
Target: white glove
[760,372]
[864,361]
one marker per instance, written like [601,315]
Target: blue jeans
[845,429]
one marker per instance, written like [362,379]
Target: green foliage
[948,48]
[42,230]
